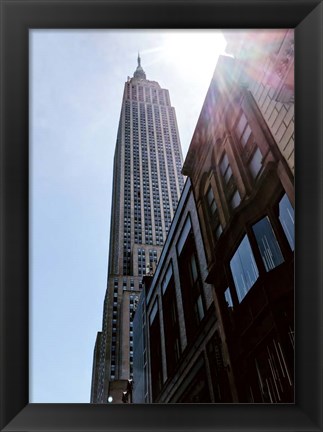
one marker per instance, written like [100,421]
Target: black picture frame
[17,17]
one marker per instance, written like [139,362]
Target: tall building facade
[180,355]
[267,69]
[147,183]
[243,184]
[216,320]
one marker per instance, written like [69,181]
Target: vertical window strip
[255,163]
[268,244]
[225,168]
[228,298]
[243,268]
[286,217]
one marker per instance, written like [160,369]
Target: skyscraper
[147,183]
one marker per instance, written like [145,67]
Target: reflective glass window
[286,217]
[219,231]
[241,125]
[211,201]
[267,243]
[228,297]
[255,163]
[235,200]
[246,135]
[225,168]
[244,269]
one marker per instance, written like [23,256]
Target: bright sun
[194,51]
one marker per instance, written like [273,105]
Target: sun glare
[194,51]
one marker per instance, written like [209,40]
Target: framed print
[270,395]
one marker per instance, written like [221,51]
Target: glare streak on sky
[76,87]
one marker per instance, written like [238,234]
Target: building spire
[139,72]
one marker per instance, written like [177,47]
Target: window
[211,201]
[225,168]
[184,234]
[243,268]
[167,278]
[243,130]
[246,135]
[228,298]
[213,213]
[241,125]
[286,217]
[255,163]
[218,230]
[235,200]
[267,243]
[171,326]
[191,283]
[194,276]
[155,350]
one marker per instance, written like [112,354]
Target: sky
[76,87]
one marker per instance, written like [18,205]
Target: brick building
[243,185]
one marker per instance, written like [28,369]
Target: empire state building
[147,183]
